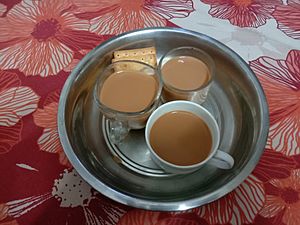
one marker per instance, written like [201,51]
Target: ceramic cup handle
[222,160]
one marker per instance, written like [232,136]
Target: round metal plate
[125,172]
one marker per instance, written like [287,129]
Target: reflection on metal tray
[125,172]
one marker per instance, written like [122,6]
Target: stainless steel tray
[125,172]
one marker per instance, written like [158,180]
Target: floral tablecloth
[41,41]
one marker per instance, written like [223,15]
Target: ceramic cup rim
[215,133]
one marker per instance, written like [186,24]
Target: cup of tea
[127,92]
[187,73]
[182,136]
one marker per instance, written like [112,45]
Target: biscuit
[148,59]
[145,55]
[134,52]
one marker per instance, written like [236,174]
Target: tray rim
[162,205]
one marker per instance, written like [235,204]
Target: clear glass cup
[198,95]
[120,123]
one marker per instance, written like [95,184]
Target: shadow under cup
[121,123]
[199,94]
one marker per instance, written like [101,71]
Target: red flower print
[9,136]
[7,5]
[41,37]
[72,65]
[178,221]
[273,164]
[238,207]
[243,13]
[139,217]
[281,82]
[72,201]
[12,222]
[143,217]
[284,196]
[15,102]
[4,216]
[117,16]
[47,118]
[287,17]
[2,9]
[3,211]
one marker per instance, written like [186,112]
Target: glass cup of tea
[183,136]
[187,73]
[127,92]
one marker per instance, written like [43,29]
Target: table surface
[40,43]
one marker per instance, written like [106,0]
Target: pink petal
[170,9]
[9,5]
[15,103]
[279,202]
[49,141]
[49,57]
[281,82]
[139,217]
[120,20]
[273,205]
[52,97]
[253,15]
[238,207]
[167,9]
[215,2]
[293,64]
[3,211]
[77,40]
[277,80]
[177,221]
[284,136]
[2,9]
[19,22]
[250,198]
[8,80]
[85,52]
[29,13]
[212,213]
[291,182]
[295,179]
[287,17]
[273,164]
[72,65]
[47,116]
[92,5]
[69,21]
[106,209]
[111,17]
[12,222]
[19,48]
[52,9]
[9,136]
[291,215]
[64,160]
[21,206]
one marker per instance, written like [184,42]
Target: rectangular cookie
[134,52]
[148,59]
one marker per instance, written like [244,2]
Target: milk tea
[181,138]
[128,91]
[182,75]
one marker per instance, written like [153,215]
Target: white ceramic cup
[216,157]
